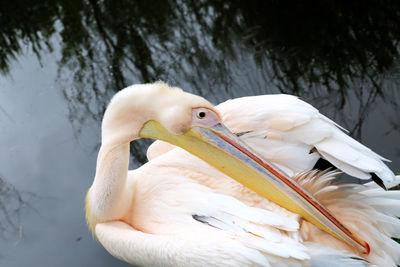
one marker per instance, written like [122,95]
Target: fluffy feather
[367,210]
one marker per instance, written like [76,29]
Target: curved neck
[109,198]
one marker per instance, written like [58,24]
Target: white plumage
[176,210]
[286,121]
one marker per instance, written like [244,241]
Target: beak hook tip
[368,249]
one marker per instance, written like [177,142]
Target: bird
[180,209]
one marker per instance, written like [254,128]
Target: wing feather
[283,125]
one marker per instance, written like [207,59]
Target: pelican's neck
[109,198]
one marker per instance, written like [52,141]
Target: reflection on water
[11,204]
[341,56]
[324,52]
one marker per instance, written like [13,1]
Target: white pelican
[178,211]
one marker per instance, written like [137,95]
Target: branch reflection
[12,202]
[342,56]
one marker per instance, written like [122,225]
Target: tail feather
[367,210]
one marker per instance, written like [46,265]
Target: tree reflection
[12,202]
[326,52]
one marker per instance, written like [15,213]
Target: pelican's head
[175,110]
[159,112]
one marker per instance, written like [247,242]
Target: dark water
[61,61]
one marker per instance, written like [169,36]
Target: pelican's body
[176,210]
[368,210]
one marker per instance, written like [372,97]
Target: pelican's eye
[201,115]
[204,117]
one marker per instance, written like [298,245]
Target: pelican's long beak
[225,151]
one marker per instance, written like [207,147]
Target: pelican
[185,210]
